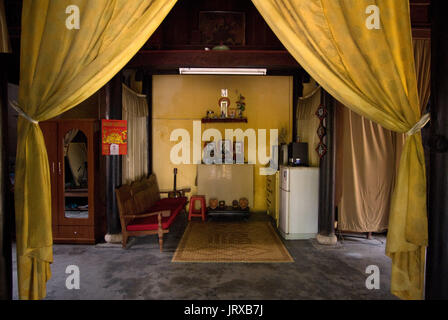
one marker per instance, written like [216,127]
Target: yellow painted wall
[178,100]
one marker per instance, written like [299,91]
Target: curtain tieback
[419,125]
[22,113]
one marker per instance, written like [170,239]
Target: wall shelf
[76,194]
[224,120]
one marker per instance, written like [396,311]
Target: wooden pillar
[327,176]
[147,90]
[113,163]
[437,253]
[297,92]
[5,209]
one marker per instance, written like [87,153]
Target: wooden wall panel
[421,19]
[420,13]
[180,29]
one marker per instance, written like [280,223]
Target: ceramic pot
[244,203]
[213,203]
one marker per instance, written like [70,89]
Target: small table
[228,211]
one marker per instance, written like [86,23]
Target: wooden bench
[143,212]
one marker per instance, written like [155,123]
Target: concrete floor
[142,272]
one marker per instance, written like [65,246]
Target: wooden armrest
[180,191]
[144,215]
[183,190]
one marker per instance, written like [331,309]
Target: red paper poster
[114,137]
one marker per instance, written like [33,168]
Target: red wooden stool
[197,213]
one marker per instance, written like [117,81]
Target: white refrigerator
[299,202]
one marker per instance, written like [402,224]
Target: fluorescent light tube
[224,71]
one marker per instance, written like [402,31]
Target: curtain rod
[310,94]
[133,92]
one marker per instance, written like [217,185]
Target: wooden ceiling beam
[169,59]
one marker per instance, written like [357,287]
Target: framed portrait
[239,147]
[209,152]
[222,27]
[224,104]
[226,150]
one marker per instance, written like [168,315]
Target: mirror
[75,175]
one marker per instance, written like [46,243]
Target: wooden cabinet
[73,149]
[272,195]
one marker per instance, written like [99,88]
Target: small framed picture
[232,113]
[239,152]
[239,147]
[226,146]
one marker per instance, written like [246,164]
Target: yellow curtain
[135,111]
[372,72]
[5,46]
[61,67]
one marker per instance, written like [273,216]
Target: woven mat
[246,242]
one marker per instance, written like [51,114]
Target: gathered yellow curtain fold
[369,67]
[364,147]
[60,68]
[135,112]
[308,123]
[422,56]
